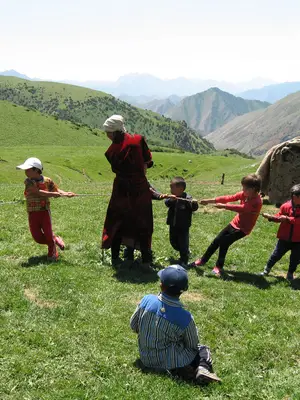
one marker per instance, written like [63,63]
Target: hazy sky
[231,40]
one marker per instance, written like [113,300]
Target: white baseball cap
[30,163]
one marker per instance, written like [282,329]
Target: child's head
[295,194]
[177,186]
[33,167]
[173,280]
[251,184]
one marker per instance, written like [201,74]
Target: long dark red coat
[129,213]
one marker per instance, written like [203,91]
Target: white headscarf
[114,123]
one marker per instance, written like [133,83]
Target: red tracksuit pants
[41,229]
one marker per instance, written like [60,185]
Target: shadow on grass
[246,277]
[136,274]
[34,261]
[176,261]
[295,284]
[259,281]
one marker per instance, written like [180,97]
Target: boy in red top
[288,233]
[38,190]
[242,224]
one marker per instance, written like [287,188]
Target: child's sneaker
[60,243]
[54,257]
[265,272]
[217,271]
[290,276]
[197,263]
[203,375]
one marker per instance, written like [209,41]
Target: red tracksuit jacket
[288,230]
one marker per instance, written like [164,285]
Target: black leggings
[116,245]
[222,242]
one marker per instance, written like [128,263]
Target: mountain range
[272,93]
[215,114]
[256,132]
[149,85]
[136,85]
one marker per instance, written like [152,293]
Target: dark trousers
[283,247]
[222,242]
[202,359]
[180,240]
[116,246]
[129,254]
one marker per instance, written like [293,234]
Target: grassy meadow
[65,327]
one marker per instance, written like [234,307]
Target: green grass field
[65,327]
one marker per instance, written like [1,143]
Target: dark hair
[37,169]
[173,291]
[117,136]
[179,182]
[252,181]
[295,190]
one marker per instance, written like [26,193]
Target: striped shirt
[167,333]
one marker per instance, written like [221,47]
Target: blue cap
[174,276]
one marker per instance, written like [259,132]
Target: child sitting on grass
[38,190]
[288,233]
[167,334]
[242,224]
[179,219]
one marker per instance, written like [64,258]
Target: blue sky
[101,40]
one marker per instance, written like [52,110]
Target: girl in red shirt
[242,224]
[288,233]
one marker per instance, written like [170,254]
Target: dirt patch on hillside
[33,296]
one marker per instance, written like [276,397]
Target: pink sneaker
[60,243]
[197,263]
[217,271]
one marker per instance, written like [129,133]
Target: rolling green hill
[209,110]
[91,107]
[22,126]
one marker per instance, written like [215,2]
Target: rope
[90,194]
[3,203]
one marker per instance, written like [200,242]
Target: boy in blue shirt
[167,334]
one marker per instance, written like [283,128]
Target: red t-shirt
[248,210]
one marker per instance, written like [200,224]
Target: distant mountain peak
[13,72]
[211,109]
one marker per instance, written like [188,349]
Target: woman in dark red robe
[129,218]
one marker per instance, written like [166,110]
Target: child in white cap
[38,190]
[167,334]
